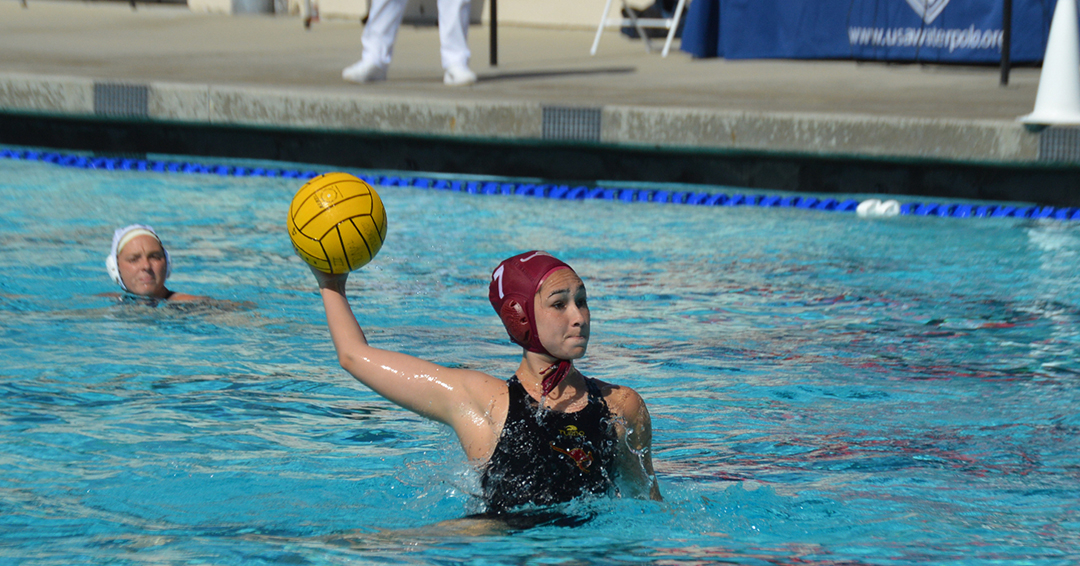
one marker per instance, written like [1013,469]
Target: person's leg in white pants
[381,30]
[453,32]
[380,33]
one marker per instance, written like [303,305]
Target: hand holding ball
[337,223]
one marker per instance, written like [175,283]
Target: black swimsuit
[552,457]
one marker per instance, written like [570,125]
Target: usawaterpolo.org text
[954,39]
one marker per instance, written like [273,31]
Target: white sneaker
[364,72]
[459,75]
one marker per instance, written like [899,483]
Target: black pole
[1006,41]
[494,49]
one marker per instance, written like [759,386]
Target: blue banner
[937,31]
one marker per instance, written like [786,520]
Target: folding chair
[671,24]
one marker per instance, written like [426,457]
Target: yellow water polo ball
[337,223]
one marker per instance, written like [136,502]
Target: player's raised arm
[426,388]
[337,224]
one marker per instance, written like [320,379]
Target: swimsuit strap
[594,389]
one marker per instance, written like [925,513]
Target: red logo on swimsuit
[582,458]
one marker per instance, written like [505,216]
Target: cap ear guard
[516,322]
[114,271]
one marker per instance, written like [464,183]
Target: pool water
[824,389]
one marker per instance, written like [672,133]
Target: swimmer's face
[142,266]
[562,315]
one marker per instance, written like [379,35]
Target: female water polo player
[139,263]
[545,436]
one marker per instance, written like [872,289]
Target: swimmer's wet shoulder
[634,427]
[175,297]
[193,306]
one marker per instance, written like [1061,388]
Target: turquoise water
[824,389]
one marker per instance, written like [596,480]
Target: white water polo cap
[120,238]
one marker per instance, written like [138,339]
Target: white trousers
[384,19]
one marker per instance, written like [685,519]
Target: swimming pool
[824,389]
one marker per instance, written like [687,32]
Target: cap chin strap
[554,378]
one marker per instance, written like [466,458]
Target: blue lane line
[558,192]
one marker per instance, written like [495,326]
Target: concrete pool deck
[104,64]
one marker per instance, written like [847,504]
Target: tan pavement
[109,40]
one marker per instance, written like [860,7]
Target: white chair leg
[600,29]
[636,24]
[674,27]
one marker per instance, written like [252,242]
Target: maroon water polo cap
[513,285]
